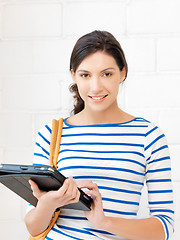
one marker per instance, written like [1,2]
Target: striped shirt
[120,158]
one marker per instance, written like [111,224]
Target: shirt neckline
[99,125]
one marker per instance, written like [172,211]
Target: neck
[90,117]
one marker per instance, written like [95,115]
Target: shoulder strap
[55,141]
[54,153]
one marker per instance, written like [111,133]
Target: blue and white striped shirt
[120,158]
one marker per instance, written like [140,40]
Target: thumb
[35,189]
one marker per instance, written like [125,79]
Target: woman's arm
[38,219]
[159,225]
[134,229]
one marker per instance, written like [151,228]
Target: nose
[96,85]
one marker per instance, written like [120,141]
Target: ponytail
[78,102]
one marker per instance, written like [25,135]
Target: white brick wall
[16,57]
[168,51]
[36,39]
[140,53]
[33,19]
[83,16]
[153,17]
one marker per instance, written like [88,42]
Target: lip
[98,98]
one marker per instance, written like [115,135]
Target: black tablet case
[16,178]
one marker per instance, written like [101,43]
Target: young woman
[106,152]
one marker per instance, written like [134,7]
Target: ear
[122,75]
[73,75]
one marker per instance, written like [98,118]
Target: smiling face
[98,78]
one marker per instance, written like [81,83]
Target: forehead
[98,60]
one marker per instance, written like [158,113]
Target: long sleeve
[158,178]
[42,146]
[41,150]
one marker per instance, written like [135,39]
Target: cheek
[113,87]
[83,89]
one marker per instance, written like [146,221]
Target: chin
[99,109]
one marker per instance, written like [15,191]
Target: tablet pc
[16,178]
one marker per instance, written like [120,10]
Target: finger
[64,187]
[87,184]
[36,191]
[76,198]
[75,192]
[33,184]
[93,194]
[72,189]
[84,183]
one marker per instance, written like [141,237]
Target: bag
[54,152]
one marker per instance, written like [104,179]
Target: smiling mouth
[98,97]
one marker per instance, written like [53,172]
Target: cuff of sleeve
[165,226]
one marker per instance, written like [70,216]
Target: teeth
[98,98]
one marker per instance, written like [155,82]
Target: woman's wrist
[46,205]
[104,224]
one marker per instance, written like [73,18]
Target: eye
[84,75]
[107,74]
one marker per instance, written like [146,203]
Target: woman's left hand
[96,215]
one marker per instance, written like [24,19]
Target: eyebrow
[110,68]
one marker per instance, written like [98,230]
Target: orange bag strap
[56,133]
[55,141]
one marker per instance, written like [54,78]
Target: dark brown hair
[87,45]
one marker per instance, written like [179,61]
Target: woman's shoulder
[151,126]
[154,134]
[47,127]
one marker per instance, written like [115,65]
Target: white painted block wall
[36,39]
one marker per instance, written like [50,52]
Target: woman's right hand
[38,219]
[66,194]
